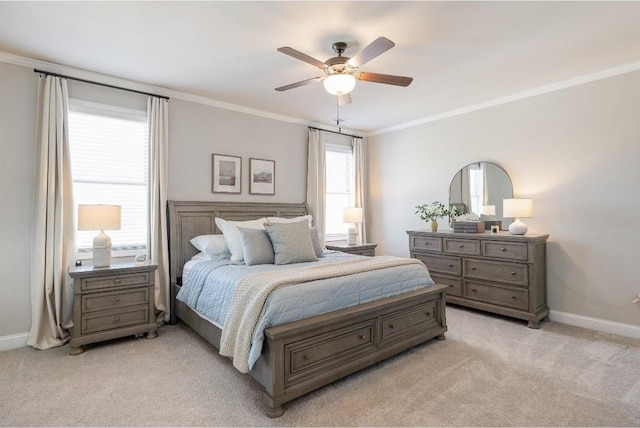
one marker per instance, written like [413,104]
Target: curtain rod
[335,132]
[47,73]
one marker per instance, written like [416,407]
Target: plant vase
[434,225]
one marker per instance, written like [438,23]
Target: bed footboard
[302,356]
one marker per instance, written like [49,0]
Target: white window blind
[339,189]
[109,163]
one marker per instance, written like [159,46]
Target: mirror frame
[505,221]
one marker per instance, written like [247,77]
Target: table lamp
[353,216]
[100,217]
[517,208]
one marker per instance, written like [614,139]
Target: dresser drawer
[512,297]
[329,349]
[113,319]
[505,250]
[466,247]
[417,317]
[427,243]
[454,284]
[510,273]
[114,299]
[114,281]
[442,264]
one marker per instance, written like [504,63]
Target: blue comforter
[209,286]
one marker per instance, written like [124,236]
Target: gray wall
[575,152]
[18,93]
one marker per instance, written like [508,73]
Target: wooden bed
[302,356]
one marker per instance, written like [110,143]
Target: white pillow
[232,236]
[274,220]
[211,244]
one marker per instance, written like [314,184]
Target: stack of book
[468,227]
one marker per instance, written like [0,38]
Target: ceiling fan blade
[298,84]
[302,57]
[387,79]
[375,48]
[344,99]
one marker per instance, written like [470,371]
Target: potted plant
[434,211]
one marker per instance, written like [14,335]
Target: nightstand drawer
[442,264]
[114,299]
[369,253]
[107,320]
[505,250]
[467,247]
[427,243]
[512,297]
[454,284]
[510,273]
[114,281]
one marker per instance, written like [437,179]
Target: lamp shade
[352,215]
[518,208]
[99,217]
[339,84]
[488,209]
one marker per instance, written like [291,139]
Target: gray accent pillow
[315,241]
[256,246]
[291,242]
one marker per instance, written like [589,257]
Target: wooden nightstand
[112,302]
[360,249]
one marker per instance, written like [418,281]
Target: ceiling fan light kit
[341,72]
[339,84]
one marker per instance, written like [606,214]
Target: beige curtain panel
[316,171]
[158,243]
[53,230]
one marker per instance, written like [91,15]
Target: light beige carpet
[490,371]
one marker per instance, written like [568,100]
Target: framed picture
[262,177]
[226,173]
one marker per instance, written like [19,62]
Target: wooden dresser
[111,302]
[500,273]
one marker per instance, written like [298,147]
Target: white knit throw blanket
[252,292]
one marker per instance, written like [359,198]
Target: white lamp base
[101,250]
[352,236]
[518,227]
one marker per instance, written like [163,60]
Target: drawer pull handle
[117,299]
[460,246]
[362,337]
[306,357]
[451,285]
[474,290]
[473,268]
[503,249]
[514,297]
[117,281]
[428,313]
[391,326]
[116,319]
[513,273]
[450,265]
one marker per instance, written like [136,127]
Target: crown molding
[143,87]
[183,96]
[541,90]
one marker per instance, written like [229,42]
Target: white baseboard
[605,326]
[13,341]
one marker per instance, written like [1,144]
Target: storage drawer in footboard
[328,350]
[407,322]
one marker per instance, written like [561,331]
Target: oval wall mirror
[479,188]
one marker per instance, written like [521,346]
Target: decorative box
[468,227]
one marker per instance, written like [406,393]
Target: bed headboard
[187,220]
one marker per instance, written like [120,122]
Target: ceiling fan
[341,72]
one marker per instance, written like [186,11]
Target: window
[109,164]
[339,189]
[476,185]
